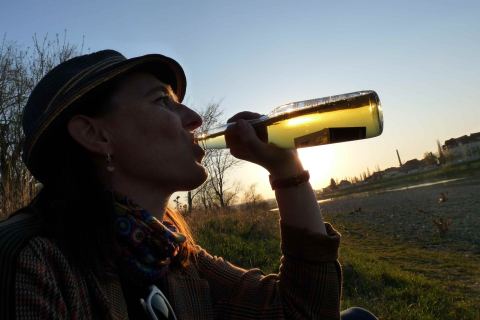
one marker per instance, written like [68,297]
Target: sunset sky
[422,58]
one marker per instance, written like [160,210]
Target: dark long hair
[75,205]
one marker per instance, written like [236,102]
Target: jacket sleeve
[308,285]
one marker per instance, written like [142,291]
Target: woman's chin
[203,177]
[196,180]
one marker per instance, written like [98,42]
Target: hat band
[82,75]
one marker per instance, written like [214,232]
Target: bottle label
[330,135]
[312,139]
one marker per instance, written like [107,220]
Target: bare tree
[231,196]
[210,118]
[202,197]
[216,191]
[430,159]
[333,184]
[218,165]
[251,198]
[441,154]
[20,70]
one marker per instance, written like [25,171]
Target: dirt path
[408,214]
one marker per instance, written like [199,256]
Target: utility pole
[399,160]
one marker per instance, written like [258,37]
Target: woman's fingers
[247,134]
[244,115]
[261,132]
[244,143]
[241,133]
[251,144]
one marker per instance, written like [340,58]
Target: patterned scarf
[147,245]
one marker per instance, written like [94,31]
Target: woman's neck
[154,202]
[150,197]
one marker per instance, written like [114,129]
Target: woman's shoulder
[46,275]
[42,257]
[17,230]
[41,248]
[23,237]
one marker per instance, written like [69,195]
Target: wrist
[292,181]
[289,168]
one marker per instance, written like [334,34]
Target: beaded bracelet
[290,181]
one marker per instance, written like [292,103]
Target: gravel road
[408,214]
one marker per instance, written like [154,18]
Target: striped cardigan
[307,286]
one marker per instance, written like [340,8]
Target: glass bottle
[340,118]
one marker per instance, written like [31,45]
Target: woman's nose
[190,119]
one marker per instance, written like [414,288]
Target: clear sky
[422,57]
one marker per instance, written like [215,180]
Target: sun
[320,162]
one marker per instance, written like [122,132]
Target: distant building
[391,172]
[375,176]
[463,148]
[411,165]
[455,150]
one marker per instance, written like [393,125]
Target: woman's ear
[90,134]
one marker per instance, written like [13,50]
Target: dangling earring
[110,167]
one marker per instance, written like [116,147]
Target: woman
[110,140]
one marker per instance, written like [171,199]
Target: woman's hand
[297,205]
[244,143]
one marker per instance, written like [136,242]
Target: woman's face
[151,136]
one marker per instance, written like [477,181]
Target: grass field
[401,280]
[398,267]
